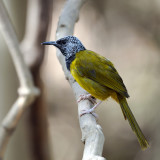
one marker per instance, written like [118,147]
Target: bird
[98,76]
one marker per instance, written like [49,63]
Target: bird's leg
[91,111]
[89,97]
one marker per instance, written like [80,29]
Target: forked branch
[27,91]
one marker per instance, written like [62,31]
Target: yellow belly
[94,88]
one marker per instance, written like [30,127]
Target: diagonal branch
[27,91]
[91,132]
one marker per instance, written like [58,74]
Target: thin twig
[27,91]
[39,14]
[91,132]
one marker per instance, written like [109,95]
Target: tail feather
[132,121]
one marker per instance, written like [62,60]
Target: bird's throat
[69,61]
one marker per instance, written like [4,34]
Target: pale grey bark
[27,91]
[92,134]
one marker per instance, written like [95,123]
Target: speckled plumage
[69,46]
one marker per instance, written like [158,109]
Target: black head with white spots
[69,46]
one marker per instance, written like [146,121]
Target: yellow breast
[95,89]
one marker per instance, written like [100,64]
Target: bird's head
[68,45]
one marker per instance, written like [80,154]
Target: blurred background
[125,32]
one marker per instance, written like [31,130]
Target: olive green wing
[101,70]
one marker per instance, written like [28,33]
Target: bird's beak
[50,43]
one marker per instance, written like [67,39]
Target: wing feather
[101,70]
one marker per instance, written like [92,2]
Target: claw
[89,111]
[89,97]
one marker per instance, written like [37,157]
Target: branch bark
[92,134]
[27,91]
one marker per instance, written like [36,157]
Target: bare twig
[39,13]
[91,131]
[27,91]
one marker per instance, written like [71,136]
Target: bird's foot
[89,111]
[89,97]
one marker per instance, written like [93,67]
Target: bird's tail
[132,121]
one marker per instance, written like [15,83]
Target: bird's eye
[63,42]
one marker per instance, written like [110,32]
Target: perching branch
[27,91]
[91,132]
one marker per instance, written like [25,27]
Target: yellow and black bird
[97,75]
